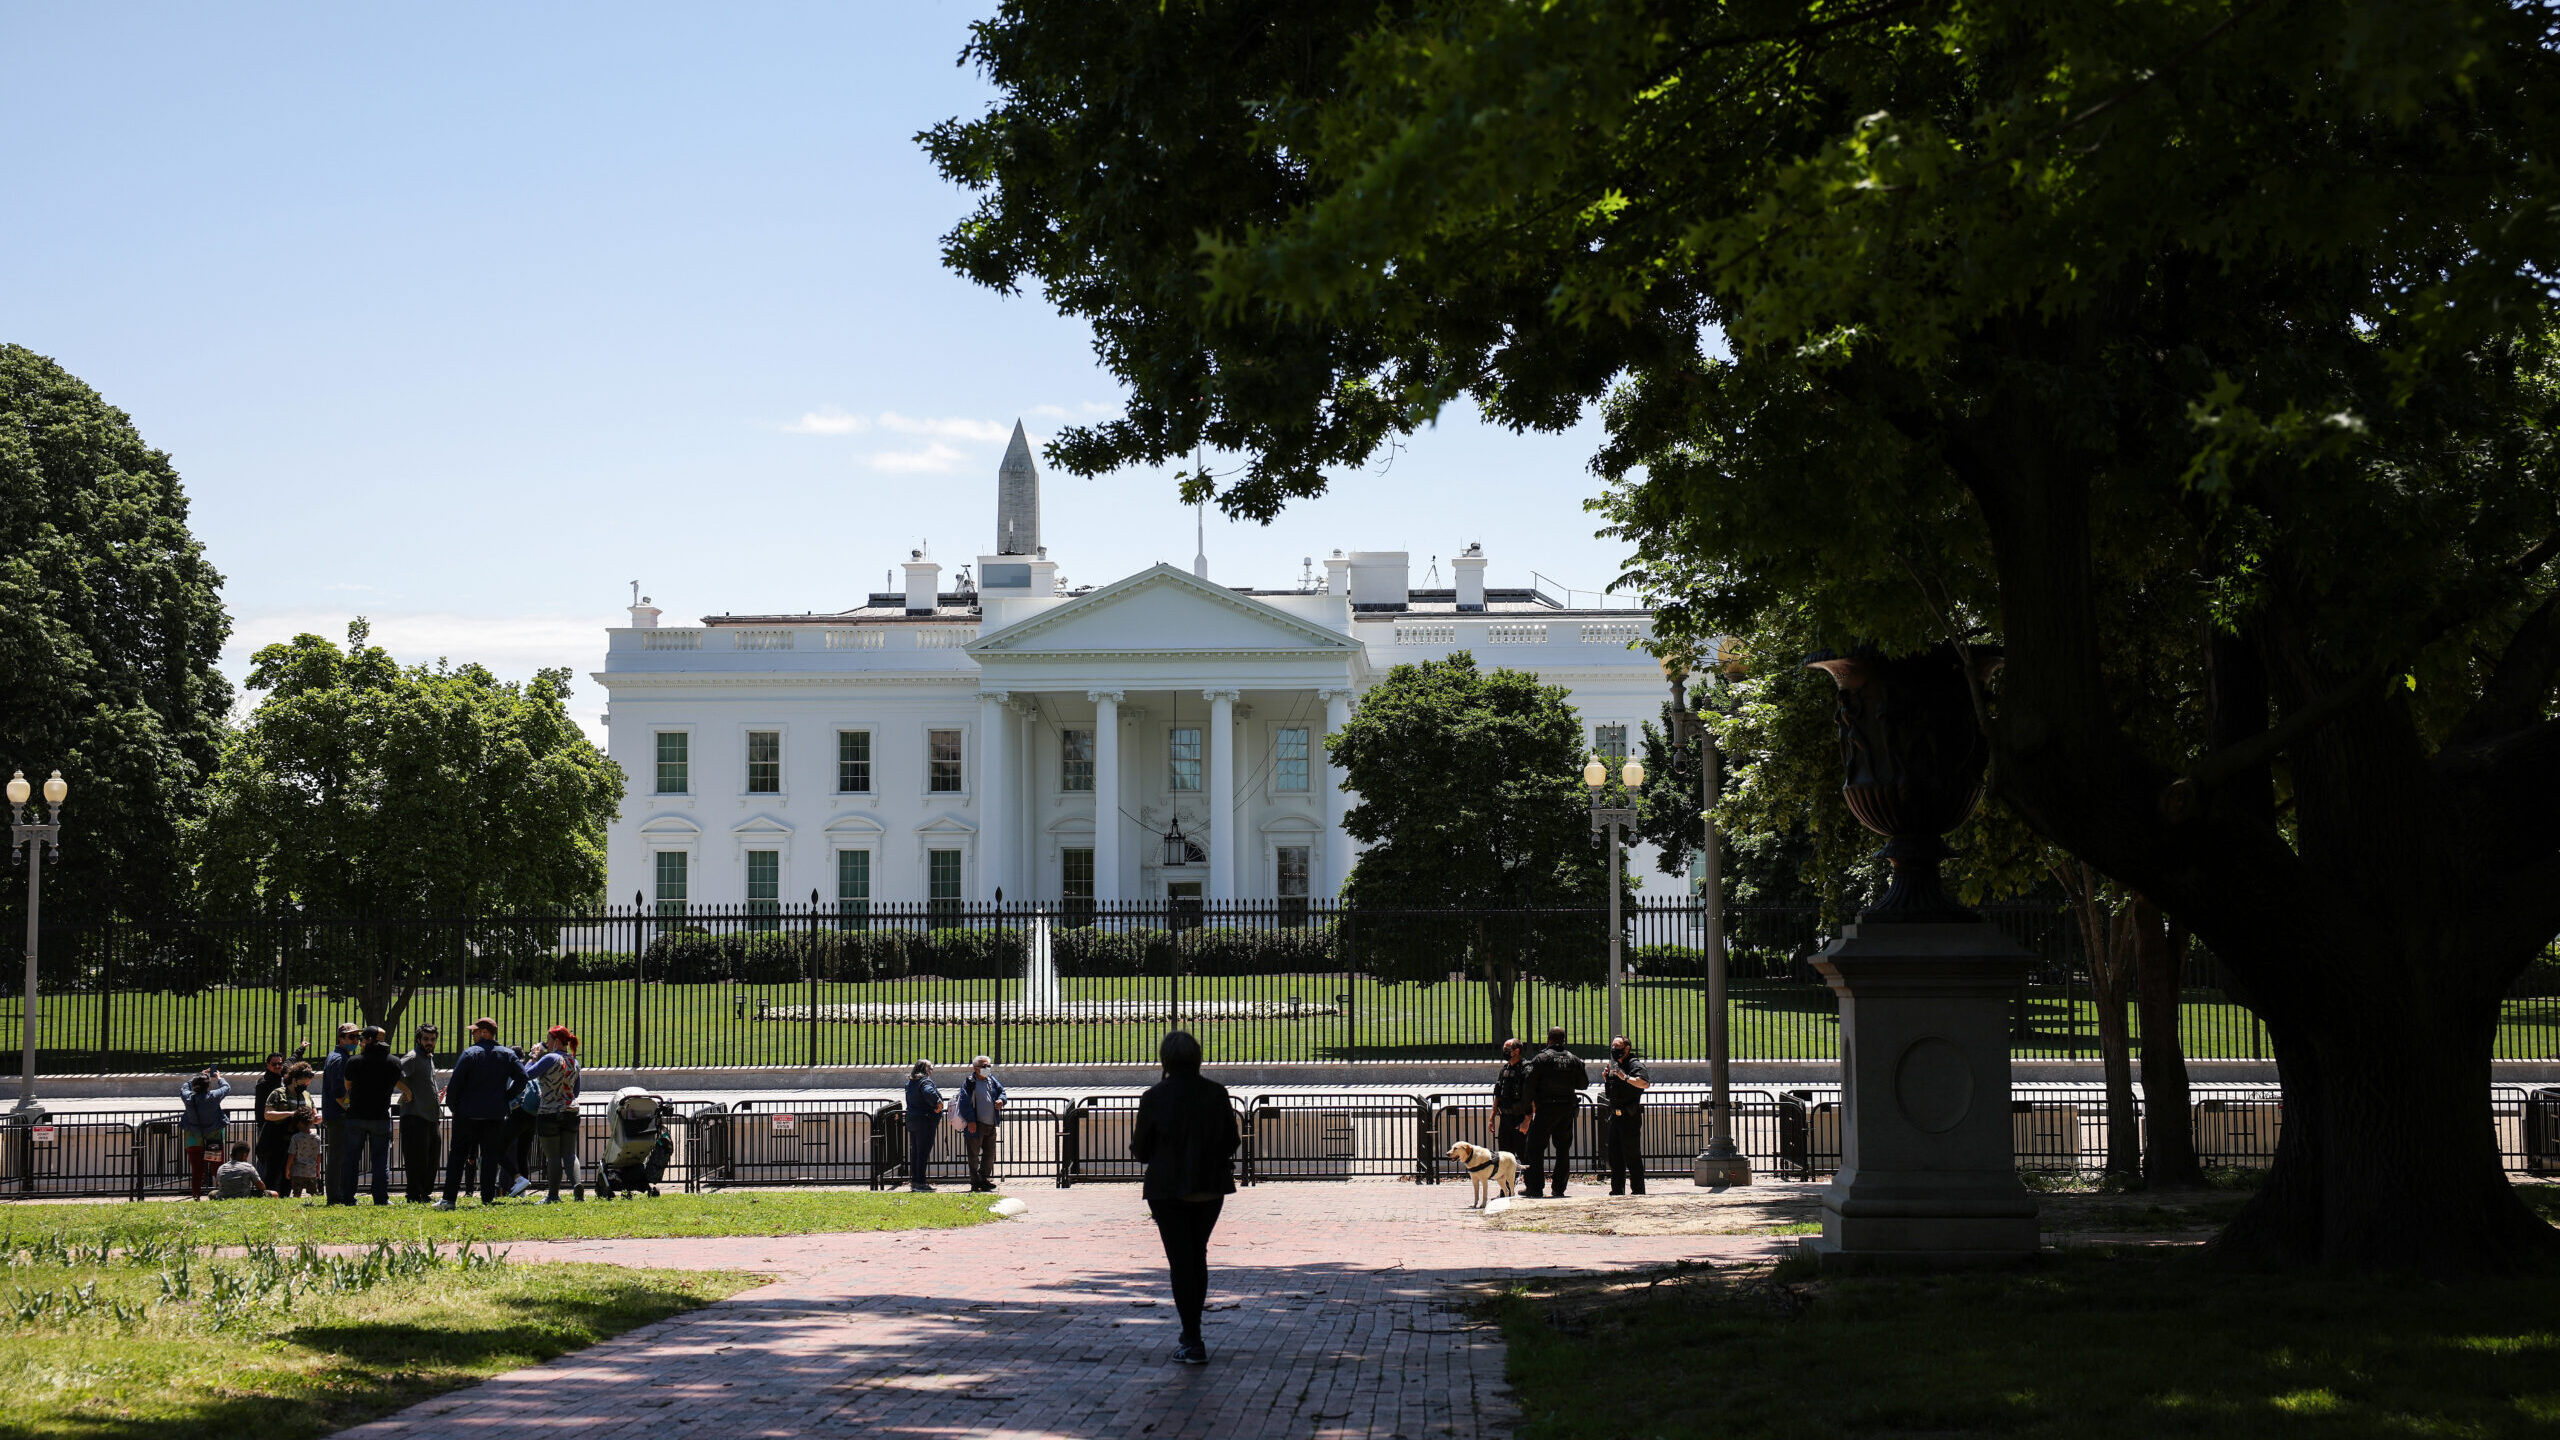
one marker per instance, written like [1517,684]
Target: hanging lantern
[1178,848]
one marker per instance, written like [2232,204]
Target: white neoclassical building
[990,732]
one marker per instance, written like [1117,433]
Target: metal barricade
[2058,1132]
[1029,1141]
[2238,1131]
[1808,1134]
[1335,1137]
[799,1142]
[2538,1123]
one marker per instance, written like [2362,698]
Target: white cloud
[993,432]
[1088,410]
[827,420]
[936,458]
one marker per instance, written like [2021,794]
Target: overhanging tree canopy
[2028,301]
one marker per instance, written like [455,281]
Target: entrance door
[1182,900]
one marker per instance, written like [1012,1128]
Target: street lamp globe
[55,791]
[18,789]
[1594,775]
[1632,775]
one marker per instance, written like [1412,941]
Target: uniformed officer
[1511,1107]
[1622,1085]
[1557,1078]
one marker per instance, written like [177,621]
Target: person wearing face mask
[1622,1086]
[333,1117]
[981,1107]
[1511,1104]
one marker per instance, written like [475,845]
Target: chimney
[1337,574]
[644,616]
[1378,579]
[924,582]
[1018,498]
[1468,569]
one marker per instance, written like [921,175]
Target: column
[1106,794]
[1337,845]
[993,736]
[1223,840]
[1024,865]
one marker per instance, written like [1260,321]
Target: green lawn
[280,1346]
[718,1024]
[2124,1345]
[291,1222]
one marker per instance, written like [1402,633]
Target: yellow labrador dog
[1488,1169]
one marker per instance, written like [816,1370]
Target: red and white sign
[786,1124]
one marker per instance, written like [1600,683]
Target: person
[515,1141]
[308,1158]
[270,1080]
[372,1080]
[202,1127]
[924,1115]
[280,1118]
[333,1117]
[479,1091]
[981,1107]
[1622,1087]
[240,1179]
[1186,1136]
[555,1073]
[1557,1078]
[1510,1118]
[421,1139]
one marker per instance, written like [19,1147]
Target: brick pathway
[1329,1318]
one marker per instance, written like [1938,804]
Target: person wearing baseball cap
[479,1092]
[421,1141]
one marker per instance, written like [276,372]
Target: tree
[1471,799]
[362,788]
[2026,300]
[111,624]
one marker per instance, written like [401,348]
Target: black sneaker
[1191,1352]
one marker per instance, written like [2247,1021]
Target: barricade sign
[785,1124]
[44,1135]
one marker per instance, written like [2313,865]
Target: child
[238,1180]
[303,1169]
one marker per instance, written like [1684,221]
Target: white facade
[1071,730]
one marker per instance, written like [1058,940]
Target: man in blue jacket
[924,1113]
[333,1117]
[478,1092]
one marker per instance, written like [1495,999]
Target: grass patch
[241,1222]
[281,1345]
[2093,1346]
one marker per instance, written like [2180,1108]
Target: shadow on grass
[354,1371]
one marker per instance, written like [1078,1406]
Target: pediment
[761,825]
[670,825]
[1289,825]
[946,825]
[855,825]
[1162,610]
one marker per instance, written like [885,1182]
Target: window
[675,762]
[1075,760]
[1289,760]
[764,884]
[1293,884]
[764,762]
[853,762]
[942,762]
[1075,885]
[1610,741]
[853,888]
[1185,750]
[671,881]
[942,882]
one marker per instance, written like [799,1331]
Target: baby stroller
[637,1146]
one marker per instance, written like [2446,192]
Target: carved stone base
[1928,1171]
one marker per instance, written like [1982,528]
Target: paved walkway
[1329,1318]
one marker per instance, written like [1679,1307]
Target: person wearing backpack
[1511,1105]
[1557,1078]
[1186,1136]
[554,1077]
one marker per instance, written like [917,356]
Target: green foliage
[111,625]
[359,787]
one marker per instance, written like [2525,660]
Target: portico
[1157,704]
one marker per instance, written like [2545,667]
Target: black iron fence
[863,1142]
[841,985]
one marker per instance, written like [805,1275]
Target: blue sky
[462,317]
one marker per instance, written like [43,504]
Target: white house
[981,733]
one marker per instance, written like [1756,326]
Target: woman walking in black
[1186,1136]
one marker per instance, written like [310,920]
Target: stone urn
[1916,759]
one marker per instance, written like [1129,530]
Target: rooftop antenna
[635,592]
[1431,581]
[1307,574]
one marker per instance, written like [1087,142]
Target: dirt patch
[1795,1209]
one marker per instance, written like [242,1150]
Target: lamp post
[31,841]
[1613,822]
[1723,1163]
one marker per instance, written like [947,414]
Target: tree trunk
[2387,1156]
[2159,957]
[1501,984]
[2107,942]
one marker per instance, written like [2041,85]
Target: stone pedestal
[1928,1174]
